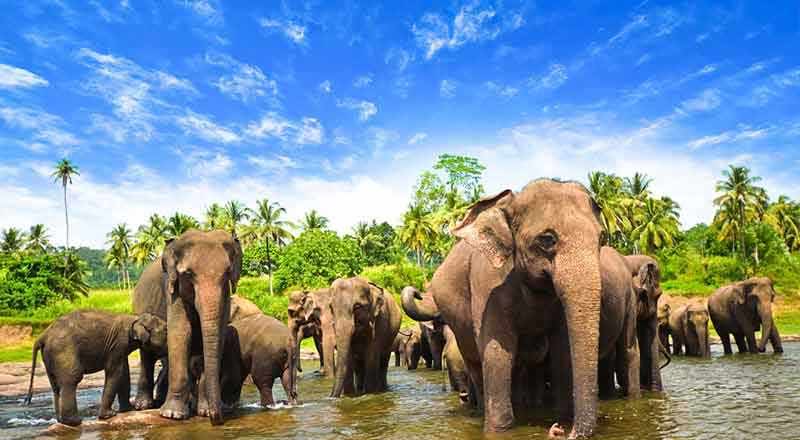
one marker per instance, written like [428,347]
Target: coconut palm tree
[12,240]
[180,223]
[63,173]
[659,224]
[266,225]
[418,231]
[606,189]
[313,220]
[119,253]
[739,203]
[234,213]
[214,217]
[784,217]
[38,239]
[150,240]
[638,186]
[365,238]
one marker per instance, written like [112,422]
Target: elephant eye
[547,240]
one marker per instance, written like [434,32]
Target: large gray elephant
[366,320]
[527,265]
[739,309]
[432,343]
[310,315]
[689,328]
[647,284]
[202,270]
[149,297]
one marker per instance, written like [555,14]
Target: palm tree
[180,223]
[784,217]
[150,240]
[418,231]
[119,254]
[214,217]
[38,240]
[638,186]
[234,213]
[365,237]
[658,224]
[266,224]
[12,240]
[313,220]
[606,189]
[63,173]
[740,202]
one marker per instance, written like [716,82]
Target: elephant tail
[36,347]
[446,375]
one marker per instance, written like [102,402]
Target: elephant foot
[70,420]
[143,402]
[175,408]
[104,414]
[556,431]
[125,407]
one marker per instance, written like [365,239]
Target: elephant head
[303,313]
[549,234]
[757,294]
[695,323]
[203,269]
[356,305]
[150,332]
[647,283]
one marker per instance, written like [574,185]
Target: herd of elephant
[529,308]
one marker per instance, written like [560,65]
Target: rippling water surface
[734,397]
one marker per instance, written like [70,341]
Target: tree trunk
[269,267]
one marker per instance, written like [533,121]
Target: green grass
[16,353]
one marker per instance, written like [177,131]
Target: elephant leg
[384,385]
[286,383]
[475,373]
[775,340]
[605,376]
[677,344]
[628,367]
[751,342]
[162,383]
[498,345]
[144,388]
[110,390]
[54,385]
[741,344]
[397,358]
[179,337]
[360,373]
[560,373]
[320,352]
[726,342]
[538,385]
[264,383]
[68,404]
[124,388]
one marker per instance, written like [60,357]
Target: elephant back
[148,295]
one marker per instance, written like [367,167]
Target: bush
[29,281]
[315,259]
[257,291]
[254,260]
[394,277]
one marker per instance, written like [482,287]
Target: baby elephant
[689,328]
[87,341]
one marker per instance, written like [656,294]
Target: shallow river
[734,397]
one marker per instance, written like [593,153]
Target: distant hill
[100,275]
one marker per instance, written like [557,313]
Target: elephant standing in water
[647,285]
[454,363]
[366,321]
[432,343]
[202,270]
[740,309]
[527,265]
[689,328]
[310,315]
[149,297]
[399,347]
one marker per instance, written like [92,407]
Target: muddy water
[742,396]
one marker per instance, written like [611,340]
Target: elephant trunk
[344,364]
[765,312]
[577,283]
[418,311]
[213,319]
[702,341]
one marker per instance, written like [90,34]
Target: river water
[734,397]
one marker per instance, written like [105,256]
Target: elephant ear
[139,331]
[169,266]
[740,292]
[486,227]
[235,253]
[648,276]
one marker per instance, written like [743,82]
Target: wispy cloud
[447,88]
[15,77]
[325,86]
[44,129]
[648,26]
[277,164]
[744,133]
[398,58]
[310,132]
[506,91]
[554,78]
[365,109]
[307,131]
[243,82]
[208,11]
[200,163]
[363,81]
[291,30]
[417,138]
[201,126]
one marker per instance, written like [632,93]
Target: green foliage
[28,281]
[315,259]
[256,289]
[254,260]
[394,277]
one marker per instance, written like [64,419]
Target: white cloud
[708,99]
[325,86]
[310,132]
[505,91]
[363,81]
[307,131]
[276,164]
[45,129]
[207,10]
[365,109]
[380,138]
[402,85]
[169,81]
[203,127]
[14,77]
[744,133]
[417,138]
[244,82]
[555,77]
[398,58]
[447,88]
[204,163]
[293,31]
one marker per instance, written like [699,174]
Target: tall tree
[606,189]
[784,217]
[12,240]
[119,253]
[740,202]
[417,231]
[234,214]
[267,225]
[38,240]
[638,186]
[180,223]
[150,239]
[63,173]
[314,220]
[658,224]
[215,217]
[463,175]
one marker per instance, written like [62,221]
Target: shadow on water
[740,396]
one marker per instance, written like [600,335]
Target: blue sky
[171,105]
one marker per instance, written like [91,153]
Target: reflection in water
[742,396]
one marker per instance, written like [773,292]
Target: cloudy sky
[171,105]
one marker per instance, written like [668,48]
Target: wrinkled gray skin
[202,270]
[689,328]
[646,276]
[310,315]
[366,320]
[87,341]
[259,346]
[432,343]
[740,309]
[454,364]
[527,266]
[149,297]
